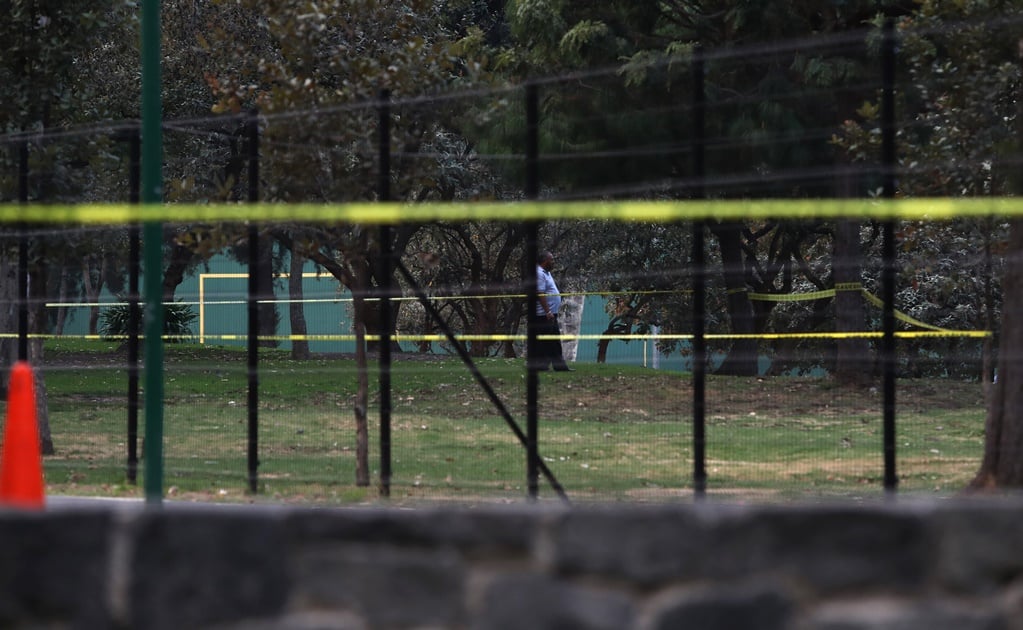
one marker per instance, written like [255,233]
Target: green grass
[608,433]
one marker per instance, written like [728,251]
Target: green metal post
[152,236]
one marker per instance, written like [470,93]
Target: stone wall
[952,565]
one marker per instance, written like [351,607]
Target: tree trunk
[1002,465]
[174,274]
[742,356]
[35,355]
[92,290]
[602,345]
[513,315]
[37,324]
[987,370]
[852,356]
[9,346]
[268,317]
[362,393]
[8,317]
[484,323]
[63,299]
[296,309]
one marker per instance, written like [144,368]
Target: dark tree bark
[852,356]
[8,316]
[268,317]
[296,310]
[63,299]
[742,356]
[356,274]
[36,324]
[1002,465]
[360,275]
[174,274]
[38,294]
[92,287]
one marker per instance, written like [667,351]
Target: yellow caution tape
[792,297]
[929,208]
[435,338]
[846,286]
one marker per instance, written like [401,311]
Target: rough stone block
[197,568]
[750,607]
[388,586]
[826,549]
[487,530]
[892,614]
[54,569]
[643,545]
[980,546]
[530,600]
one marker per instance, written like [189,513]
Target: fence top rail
[928,208]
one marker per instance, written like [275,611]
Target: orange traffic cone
[21,463]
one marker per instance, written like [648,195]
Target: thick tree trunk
[174,274]
[602,345]
[63,299]
[742,356]
[987,370]
[296,309]
[8,317]
[37,324]
[361,395]
[852,356]
[484,323]
[1002,465]
[268,317]
[92,291]
[356,276]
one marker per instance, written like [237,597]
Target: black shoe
[563,369]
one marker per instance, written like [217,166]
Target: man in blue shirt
[545,317]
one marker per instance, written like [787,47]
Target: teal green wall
[328,312]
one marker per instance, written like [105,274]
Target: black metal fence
[701,149]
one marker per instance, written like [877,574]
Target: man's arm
[541,295]
[543,304]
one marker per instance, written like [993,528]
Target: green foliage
[959,79]
[956,102]
[177,322]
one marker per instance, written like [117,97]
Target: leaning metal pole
[152,234]
[481,380]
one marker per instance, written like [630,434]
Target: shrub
[177,322]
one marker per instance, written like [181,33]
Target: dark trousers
[548,351]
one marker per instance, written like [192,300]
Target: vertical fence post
[529,281]
[699,283]
[152,235]
[134,310]
[23,254]
[888,165]
[386,314]
[252,133]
